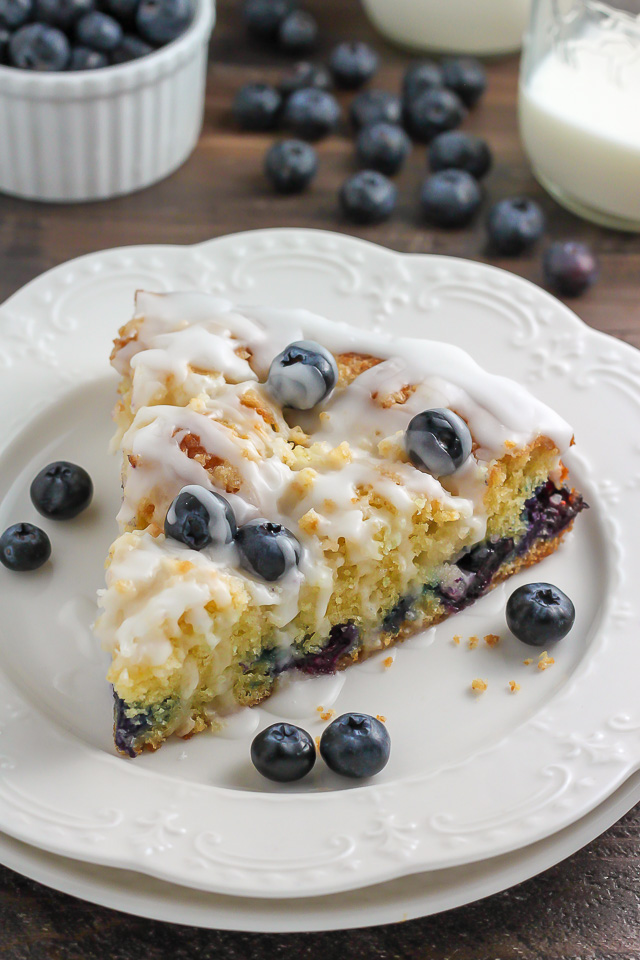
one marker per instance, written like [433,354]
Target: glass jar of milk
[479,27]
[580,106]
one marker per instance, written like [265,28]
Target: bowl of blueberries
[99,98]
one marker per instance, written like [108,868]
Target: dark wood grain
[584,908]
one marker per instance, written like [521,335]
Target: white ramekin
[103,133]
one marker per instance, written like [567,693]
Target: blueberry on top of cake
[298,494]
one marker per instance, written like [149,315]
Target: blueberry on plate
[61,13]
[82,58]
[569,267]
[61,490]
[303,375]
[305,75]
[438,441]
[161,21]
[352,64]
[539,614]
[99,31]
[37,46]
[298,32]
[368,197]
[267,549]
[283,752]
[257,106]
[131,48]
[432,112]
[355,745]
[465,76]
[291,165]
[263,17]
[123,10]
[24,547]
[375,106]
[13,13]
[450,198]
[420,76]
[514,225]
[311,113]
[384,147]
[457,150]
[198,517]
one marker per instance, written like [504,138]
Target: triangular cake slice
[411,484]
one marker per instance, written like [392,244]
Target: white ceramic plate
[469,778]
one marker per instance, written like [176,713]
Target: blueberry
[353,64]
[263,17]
[375,106]
[39,47]
[13,13]
[465,76]
[267,549]
[161,21]
[283,752]
[438,441]
[298,32]
[5,36]
[569,267]
[99,31]
[383,147]
[61,490]
[368,197]
[123,10]
[539,613]
[303,375]
[311,113]
[82,58]
[291,165]
[450,198]
[456,150]
[421,76]
[355,745]
[257,106]
[199,517]
[514,225]
[432,112]
[61,13]
[305,75]
[131,48]
[24,547]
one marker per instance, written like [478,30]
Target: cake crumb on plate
[479,686]
[544,661]
[473,642]
[513,686]
[491,639]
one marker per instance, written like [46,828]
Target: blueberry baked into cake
[298,494]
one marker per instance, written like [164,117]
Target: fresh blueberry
[465,76]
[131,48]
[539,613]
[161,21]
[283,752]
[311,113]
[82,58]
[438,441]
[432,112]
[569,267]
[383,147]
[368,197]
[61,490]
[123,10]
[450,198]
[305,75]
[257,106]
[99,31]
[420,76]
[61,13]
[5,36]
[375,106]
[291,165]
[37,46]
[514,225]
[456,150]
[267,549]
[355,745]
[263,17]
[13,13]
[303,375]
[298,32]
[199,517]
[24,547]
[353,64]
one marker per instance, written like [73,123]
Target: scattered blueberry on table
[355,745]
[353,64]
[457,150]
[514,225]
[420,76]
[23,547]
[291,165]
[539,614]
[311,113]
[384,147]
[368,197]
[450,198]
[465,76]
[283,753]
[257,107]
[298,32]
[302,75]
[432,112]
[570,268]
[61,490]
[375,106]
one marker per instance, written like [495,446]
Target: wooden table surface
[587,907]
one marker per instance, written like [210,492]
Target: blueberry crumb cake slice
[298,494]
